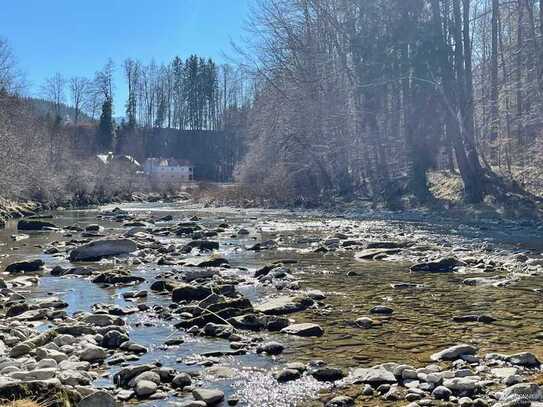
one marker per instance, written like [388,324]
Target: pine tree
[106,129]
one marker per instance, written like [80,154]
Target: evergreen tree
[106,128]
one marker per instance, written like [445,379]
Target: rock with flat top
[209,396]
[99,249]
[306,329]
[454,352]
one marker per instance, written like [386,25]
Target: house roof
[110,157]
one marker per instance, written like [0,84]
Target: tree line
[190,94]
[368,96]
[49,139]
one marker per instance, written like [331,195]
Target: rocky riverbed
[180,305]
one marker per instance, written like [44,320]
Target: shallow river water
[420,325]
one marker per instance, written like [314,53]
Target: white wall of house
[162,171]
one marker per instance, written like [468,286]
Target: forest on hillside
[331,98]
[369,97]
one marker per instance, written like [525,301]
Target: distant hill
[42,108]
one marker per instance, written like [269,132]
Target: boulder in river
[444,265]
[110,277]
[375,376]
[201,245]
[98,399]
[25,266]
[212,261]
[485,319]
[188,292]
[210,396]
[375,254]
[99,249]
[526,359]
[528,392]
[454,352]
[35,225]
[284,305]
[287,375]
[327,374]
[305,329]
[381,310]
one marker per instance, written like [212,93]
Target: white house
[168,170]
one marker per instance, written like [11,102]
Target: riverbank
[15,209]
[269,308]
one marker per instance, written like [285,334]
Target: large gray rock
[37,374]
[145,388]
[25,266]
[375,253]
[181,380]
[454,352]
[306,329]
[98,399]
[123,377]
[102,320]
[34,224]
[187,292]
[210,396]
[443,265]
[374,376]
[93,353]
[284,305]
[103,248]
[462,384]
[202,245]
[522,391]
[526,359]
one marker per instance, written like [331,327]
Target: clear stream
[420,325]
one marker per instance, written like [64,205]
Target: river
[420,325]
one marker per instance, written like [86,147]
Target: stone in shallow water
[93,353]
[98,399]
[187,292]
[327,374]
[287,375]
[382,310]
[27,224]
[374,376]
[103,248]
[485,319]
[373,254]
[209,396]
[340,401]
[306,329]
[271,348]
[126,374]
[144,388]
[443,265]
[181,380]
[454,352]
[526,359]
[284,305]
[25,266]
[192,403]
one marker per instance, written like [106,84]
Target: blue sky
[76,37]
